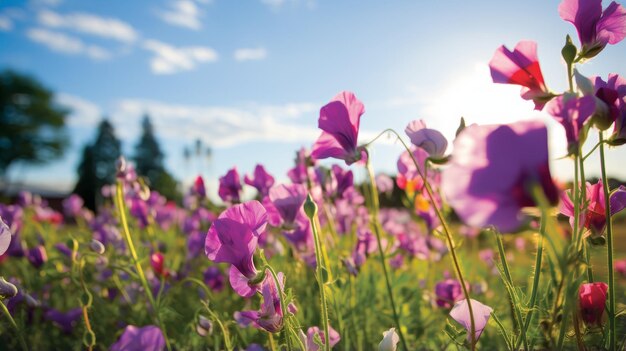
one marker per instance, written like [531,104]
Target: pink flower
[270,316]
[230,186]
[460,313]
[339,121]
[595,27]
[261,180]
[148,338]
[572,112]
[521,67]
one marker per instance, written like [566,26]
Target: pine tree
[97,167]
[149,162]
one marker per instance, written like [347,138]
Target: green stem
[225,332]
[450,242]
[376,225]
[320,279]
[609,240]
[539,198]
[583,190]
[507,274]
[121,207]
[19,332]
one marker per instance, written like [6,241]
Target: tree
[149,162]
[97,167]
[32,126]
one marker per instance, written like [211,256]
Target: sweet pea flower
[596,28]
[460,313]
[591,301]
[339,121]
[430,140]
[65,320]
[157,261]
[384,183]
[593,218]
[521,67]
[270,316]
[313,331]
[390,340]
[148,338]
[230,186]
[233,238]
[198,187]
[261,180]
[611,95]
[448,292]
[287,201]
[37,256]
[572,112]
[5,237]
[492,168]
[73,205]
[620,267]
[214,279]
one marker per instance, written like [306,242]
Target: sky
[248,77]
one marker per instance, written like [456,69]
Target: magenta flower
[491,170]
[593,218]
[460,313]
[572,112]
[262,180]
[384,183]
[620,267]
[596,28]
[214,279]
[591,302]
[310,338]
[288,200]
[148,338]
[64,320]
[448,292]
[73,205]
[233,238]
[5,237]
[430,140]
[521,67]
[230,186]
[339,121]
[270,316]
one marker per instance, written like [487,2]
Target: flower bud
[569,51]
[390,340]
[591,301]
[7,290]
[96,247]
[204,326]
[310,207]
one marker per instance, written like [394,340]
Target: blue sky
[248,77]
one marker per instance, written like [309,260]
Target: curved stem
[376,225]
[450,242]
[19,332]
[609,240]
[121,207]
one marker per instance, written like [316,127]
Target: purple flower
[73,205]
[341,181]
[5,237]
[288,200]
[521,67]
[262,180]
[491,170]
[37,256]
[64,320]
[460,313]
[384,183]
[233,238]
[270,316]
[214,279]
[593,218]
[198,187]
[595,27]
[310,338]
[448,292]
[230,186]
[612,93]
[339,121]
[430,140]
[572,112]
[148,338]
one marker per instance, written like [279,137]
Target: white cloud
[83,113]
[278,4]
[86,23]
[5,23]
[182,13]
[66,44]
[223,126]
[169,59]
[250,54]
